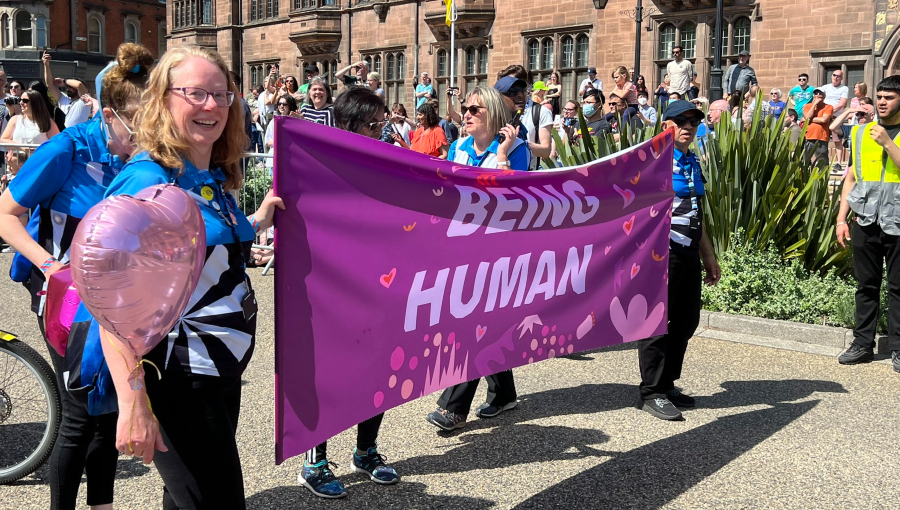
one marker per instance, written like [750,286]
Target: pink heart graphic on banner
[434,220]
[637,323]
[627,226]
[582,170]
[653,212]
[635,269]
[136,262]
[387,279]
[479,332]
[627,194]
[640,245]
[606,251]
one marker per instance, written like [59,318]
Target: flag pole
[452,16]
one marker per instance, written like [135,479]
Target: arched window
[161,42]
[581,56]
[470,60]
[688,40]
[534,49]
[23,29]
[442,63]
[482,60]
[712,39]
[401,66]
[547,54]
[568,52]
[390,66]
[377,64]
[206,14]
[666,41]
[4,26]
[741,36]
[131,32]
[40,25]
[95,35]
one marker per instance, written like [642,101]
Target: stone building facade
[82,36]
[404,37]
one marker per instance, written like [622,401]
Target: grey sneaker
[895,360]
[662,409]
[488,411]
[445,420]
[856,354]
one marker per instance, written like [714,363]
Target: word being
[540,204]
[497,285]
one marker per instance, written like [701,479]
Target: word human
[502,285]
[539,205]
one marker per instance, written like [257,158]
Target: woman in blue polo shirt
[64,178]
[486,117]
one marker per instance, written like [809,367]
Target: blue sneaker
[321,480]
[372,464]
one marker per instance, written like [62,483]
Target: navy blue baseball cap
[508,82]
[681,107]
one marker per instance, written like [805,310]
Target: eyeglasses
[197,96]
[514,91]
[676,52]
[568,109]
[802,79]
[376,125]
[773,93]
[681,121]
[472,110]
[837,75]
[611,103]
[24,100]
[128,129]
[283,104]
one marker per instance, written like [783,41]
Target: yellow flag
[449,10]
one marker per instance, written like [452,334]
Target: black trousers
[661,357]
[366,437]
[871,248]
[458,399]
[198,417]
[85,445]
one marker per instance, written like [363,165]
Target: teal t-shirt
[800,97]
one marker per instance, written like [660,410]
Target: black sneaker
[488,411]
[679,399]
[895,360]
[856,354]
[662,409]
[319,479]
[372,464]
[445,420]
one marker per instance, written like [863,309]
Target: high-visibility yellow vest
[868,157]
[875,197]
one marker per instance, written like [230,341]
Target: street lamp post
[715,74]
[637,14]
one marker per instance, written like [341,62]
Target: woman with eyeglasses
[292,88]
[357,110]
[624,88]
[33,125]
[429,138]
[190,133]
[775,104]
[16,88]
[318,107]
[64,178]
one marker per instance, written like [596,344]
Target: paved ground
[773,429]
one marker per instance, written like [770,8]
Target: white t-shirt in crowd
[546,121]
[680,74]
[597,83]
[76,110]
[403,130]
[834,94]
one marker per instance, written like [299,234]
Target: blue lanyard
[689,175]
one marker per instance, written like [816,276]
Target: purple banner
[400,275]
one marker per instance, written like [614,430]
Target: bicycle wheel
[30,409]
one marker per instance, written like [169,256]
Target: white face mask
[642,101]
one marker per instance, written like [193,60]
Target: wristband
[48,264]
[503,163]
[841,223]
[253,223]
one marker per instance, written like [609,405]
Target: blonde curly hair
[155,130]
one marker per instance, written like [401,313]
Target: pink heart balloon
[136,262]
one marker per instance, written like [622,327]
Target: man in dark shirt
[592,109]
[661,357]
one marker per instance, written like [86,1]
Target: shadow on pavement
[746,393]
[656,474]
[129,467]
[369,495]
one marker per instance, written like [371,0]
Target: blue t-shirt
[519,158]
[212,337]
[423,88]
[702,135]
[60,182]
[775,108]
[684,165]
[801,97]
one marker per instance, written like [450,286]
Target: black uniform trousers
[458,399]
[871,248]
[661,357]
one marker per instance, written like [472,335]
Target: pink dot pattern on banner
[545,341]
[534,344]
[458,345]
[551,354]
[437,339]
[427,352]
[451,338]
[544,331]
[553,328]
[553,340]
[392,381]
[413,362]
[570,348]
[397,358]
[378,400]
[445,349]
[562,340]
[570,337]
[624,158]
[406,389]
[642,155]
[530,360]
[612,162]
[524,354]
[540,351]
[427,336]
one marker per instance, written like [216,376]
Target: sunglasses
[514,91]
[681,121]
[837,75]
[15,86]
[613,103]
[802,79]
[376,125]
[24,100]
[676,52]
[283,104]
[472,110]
